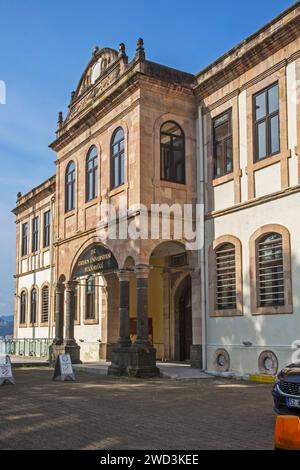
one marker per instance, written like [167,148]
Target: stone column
[120,354]
[143,355]
[69,345]
[196,348]
[142,275]
[70,313]
[124,328]
[166,279]
[59,314]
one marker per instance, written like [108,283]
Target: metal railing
[26,347]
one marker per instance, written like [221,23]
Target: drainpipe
[201,253]
[51,316]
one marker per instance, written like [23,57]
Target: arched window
[225,277]
[70,187]
[270,271]
[33,306]
[45,304]
[23,299]
[91,174]
[117,159]
[172,149]
[90,299]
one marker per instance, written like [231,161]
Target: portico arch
[174,302]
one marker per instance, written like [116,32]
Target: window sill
[70,213]
[44,325]
[93,202]
[226,178]
[286,310]
[22,325]
[173,185]
[268,161]
[226,313]
[118,190]
[91,322]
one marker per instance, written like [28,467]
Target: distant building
[141,133]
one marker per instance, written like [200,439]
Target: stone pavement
[98,412]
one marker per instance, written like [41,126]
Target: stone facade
[164,307]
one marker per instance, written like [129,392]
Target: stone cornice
[261,45]
[35,195]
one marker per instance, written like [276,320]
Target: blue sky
[45,46]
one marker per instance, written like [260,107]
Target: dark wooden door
[185,324]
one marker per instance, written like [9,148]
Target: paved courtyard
[102,413]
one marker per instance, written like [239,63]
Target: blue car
[286,391]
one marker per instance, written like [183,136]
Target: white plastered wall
[266,332]
[27,282]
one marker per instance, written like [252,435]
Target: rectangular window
[222,144]
[266,123]
[90,300]
[47,225]
[24,248]
[35,234]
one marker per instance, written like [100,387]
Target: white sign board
[6,375]
[63,368]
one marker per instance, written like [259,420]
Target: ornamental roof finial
[60,122]
[122,50]
[140,51]
[95,51]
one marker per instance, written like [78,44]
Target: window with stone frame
[33,306]
[270,271]
[223,144]
[35,234]
[117,159]
[172,150]
[266,123]
[45,305]
[91,174]
[47,229]
[24,244]
[225,291]
[90,310]
[23,302]
[70,181]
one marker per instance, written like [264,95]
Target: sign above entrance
[97,259]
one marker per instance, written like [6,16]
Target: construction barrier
[287,433]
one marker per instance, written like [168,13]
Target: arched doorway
[185,320]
